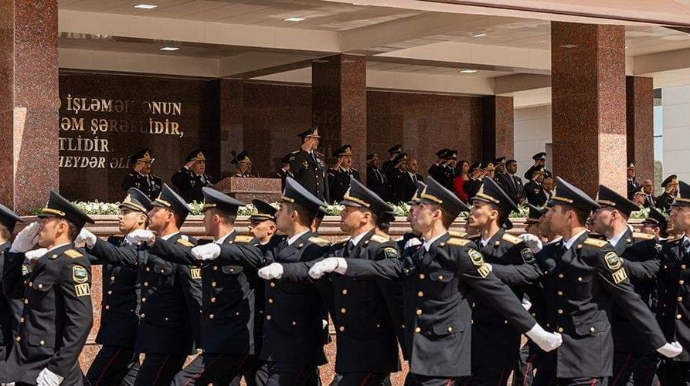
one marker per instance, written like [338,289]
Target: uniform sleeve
[122,256]
[173,252]
[179,179]
[298,272]
[191,288]
[297,161]
[523,269]
[392,292]
[247,255]
[385,269]
[75,291]
[641,271]
[613,277]
[12,277]
[128,181]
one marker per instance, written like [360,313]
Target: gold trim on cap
[562,199]
[355,199]
[682,199]
[128,201]
[208,206]
[487,197]
[606,202]
[53,211]
[160,201]
[430,197]
[146,157]
[286,198]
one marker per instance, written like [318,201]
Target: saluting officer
[436,169]
[309,166]
[437,278]
[634,362]
[390,162]
[192,177]
[496,344]
[170,309]
[397,179]
[10,309]
[339,176]
[57,314]
[140,177]
[582,278]
[367,314]
[539,163]
[670,185]
[243,164]
[117,363]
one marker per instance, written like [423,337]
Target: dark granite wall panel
[640,125]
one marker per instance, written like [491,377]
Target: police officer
[392,153]
[140,176]
[633,361]
[447,173]
[412,238]
[10,309]
[191,178]
[436,280]
[170,310]
[339,176]
[243,164]
[534,189]
[582,278]
[539,163]
[367,315]
[496,344]
[670,185]
[117,363]
[436,169]
[309,166]
[397,179]
[57,315]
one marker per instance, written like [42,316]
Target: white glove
[670,350]
[140,236]
[412,242]
[35,253]
[48,378]
[533,243]
[209,251]
[86,237]
[271,271]
[327,265]
[26,239]
[526,303]
[547,341]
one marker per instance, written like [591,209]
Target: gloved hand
[35,253]
[140,236]
[209,251]
[526,303]
[412,242]
[533,243]
[327,265]
[670,350]
[86,237]
[26,239]
[271,271]
[48,378]
[547,341]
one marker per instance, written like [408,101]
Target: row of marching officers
[255,306]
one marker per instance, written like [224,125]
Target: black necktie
[348,248]
[686,247]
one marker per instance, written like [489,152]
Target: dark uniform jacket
[435,171]
[495,343]
[120,286]
[283,175]
[436,309]
[10,312]
[535,194]
[310,171]
[530,171]
[189,184]
[447,176]
[397,185]
[512,185]
[411,185]
[472,187]
[377,182]
[150,185]
[664,201]
[633,186]
[367,313]
[580,285]
[259,286]
[57,315]
[339,182]
[294,312]
[674,300]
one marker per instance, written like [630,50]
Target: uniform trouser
[423,380]
[208,367]
[674,373]
[113,366]
[527,364]
[362,379]
[159,369]
[490,376]
[289,374]
[547,377]
[634,369]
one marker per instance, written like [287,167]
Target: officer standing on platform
[339,176]
[397,179]
[117,363]
[633,185]
[392,154]
[57,315]
[539,163]
[436,169]
[140,177]
[284,171]
[437,278]
[367,314]
[670,185]
[243,164]
[582,279]
[376,179]
[309,166]
[191,178]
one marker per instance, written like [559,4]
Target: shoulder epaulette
[457,241]
[643,236]
[295,152]
[243,239]
[595,242]
[343,241]
[73,253]
[319,241]
[473,237]
[511,239]
[185,242]
[458,234]
[378,239]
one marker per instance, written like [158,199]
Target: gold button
[213,284]
[681,282]
[43,342]
[232,269]
[40,286]
[505,322]
[107,307]
[215,267]
[440,277]
[148,269]
[166,319]
[213,300]
[273,284]
[142,316]
[341,328]
[417,329]
[560,293]
[378,325]
[26,301]
[294,323]
[21,320]
[560,276]
[592,329]
[679,316]
[345,292]
[421,276]
[270,301]
[682,266]
[268,317]
[146,284]
[343,310]
[162,270]
[419,312]
[237,313]
[450,329]
[31,284]
[579,279]
[112,278]
[19,338]
[560,329]
[420,294]
[210,316]
[560,311]
[110,292]
[143,300]
[680,298]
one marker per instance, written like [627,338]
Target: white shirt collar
[222,239]
[614,240]
[294,238]
[57,246]
[557,239]
[166,237]
[569,243]
[427,244]
[358,238]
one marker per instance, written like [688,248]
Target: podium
[247,189]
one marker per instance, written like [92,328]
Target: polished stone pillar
[29,103]
[640,125]
[588,101]
[339,105]
[498,137]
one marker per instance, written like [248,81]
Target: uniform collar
[614,240]
[572,241]
[222,239]
[427,244]
[355,240]
[56,247]
[168,237]
[296,237]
